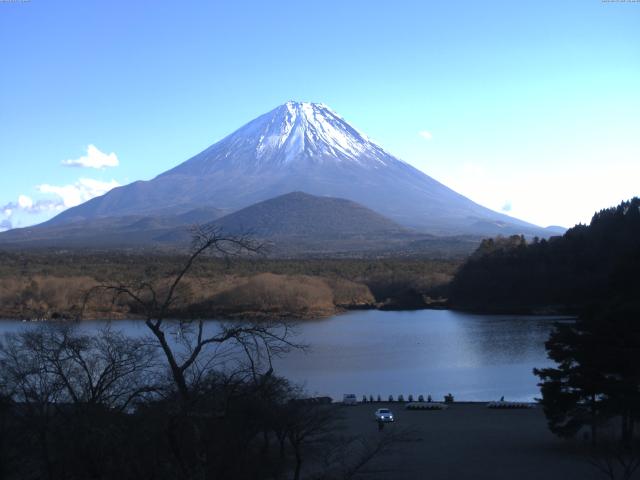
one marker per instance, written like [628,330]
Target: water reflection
[475,357]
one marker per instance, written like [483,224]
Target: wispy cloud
[94,159]
[426,134]
[27,205]
[67,196]
[78,192]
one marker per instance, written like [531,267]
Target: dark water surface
[475,357]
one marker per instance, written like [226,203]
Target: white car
[349,399]
[384,415]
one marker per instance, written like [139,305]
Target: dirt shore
[471,441]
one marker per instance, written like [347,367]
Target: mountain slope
[106,232]
[302,147]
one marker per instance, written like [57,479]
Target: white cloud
[81,191]
[25,202]
[426,134]
[67,196]
[94,159]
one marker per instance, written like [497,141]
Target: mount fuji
[299,147]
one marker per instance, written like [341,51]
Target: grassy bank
[53,284]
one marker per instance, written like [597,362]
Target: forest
[590,264]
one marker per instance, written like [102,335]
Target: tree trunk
[46,458]
[281,440]
[265,442]
[626,440]
[176,371]
[174,444]
[594,421]
[298,454]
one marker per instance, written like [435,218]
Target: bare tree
[192,348]
[62,385]
[155,303]
[306,425]
[54,364]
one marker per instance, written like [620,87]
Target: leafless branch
[258,341]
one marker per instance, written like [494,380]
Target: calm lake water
[475,357]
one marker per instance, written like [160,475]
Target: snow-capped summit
[295,133]
[297,129]
[304,147]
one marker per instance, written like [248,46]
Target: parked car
[384,415]
[349,399]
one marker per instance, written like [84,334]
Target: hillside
[304,215]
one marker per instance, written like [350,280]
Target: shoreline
[226,314]
[297,316]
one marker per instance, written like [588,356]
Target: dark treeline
[587,265]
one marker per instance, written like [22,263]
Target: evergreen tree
[597,376]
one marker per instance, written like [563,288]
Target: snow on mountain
[313,131]
[296,132]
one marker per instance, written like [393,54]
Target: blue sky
[530,108]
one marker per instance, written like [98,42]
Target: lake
[474,357]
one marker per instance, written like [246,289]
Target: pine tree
[597,376]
